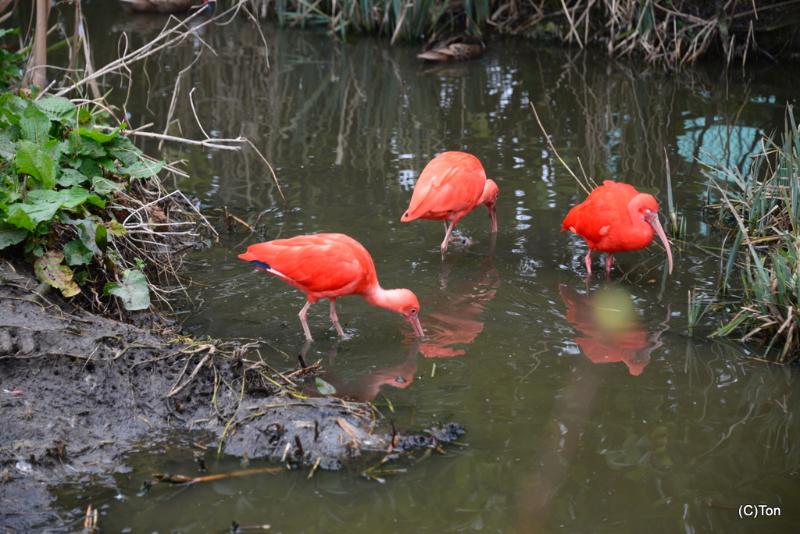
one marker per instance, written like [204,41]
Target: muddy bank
[78,391]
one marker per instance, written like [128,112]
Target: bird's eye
[413,311]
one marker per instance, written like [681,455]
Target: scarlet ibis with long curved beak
[329,266]
[451,185]
[615,217]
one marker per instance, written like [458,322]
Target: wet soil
[79,391]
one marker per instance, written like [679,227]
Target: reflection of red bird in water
[610,327]
[452,325]
[457,321]
[366,387]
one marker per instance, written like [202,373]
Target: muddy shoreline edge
[79,391]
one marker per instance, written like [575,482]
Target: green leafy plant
[61,173]
[10,62]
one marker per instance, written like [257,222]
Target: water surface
[588,406]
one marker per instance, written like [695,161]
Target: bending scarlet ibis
[615,217]
[451,185]
[329,266]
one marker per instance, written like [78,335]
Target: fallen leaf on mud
[49,270]
[324,387]
[133,291]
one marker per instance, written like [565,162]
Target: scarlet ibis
[329,266]
[615,217]
[451,185]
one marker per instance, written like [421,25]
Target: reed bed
[760,209]
[670,33]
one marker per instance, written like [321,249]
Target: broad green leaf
[87,233]
[142,169]
[7,147]
[18,216]
[34,125]
[9,187]
[324,387]
[55,107]
[124,150]
[76,253]
[104,186]
[11,236]
[85,146]
[11,108]
[49,270]
[34,160]
[67,198]
[42,205]
[70,177]
[108,164]
[98,135]
[133,291]
[89,167]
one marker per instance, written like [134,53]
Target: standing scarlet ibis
[451,185]
[329,266]
[615,217]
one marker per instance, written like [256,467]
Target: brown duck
[459,48]
[167,6]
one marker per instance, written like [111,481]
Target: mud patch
[79,391]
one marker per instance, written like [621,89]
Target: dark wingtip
[260,265]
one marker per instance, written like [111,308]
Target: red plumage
[330,266]
[615,217]
[320,265]
[451,185]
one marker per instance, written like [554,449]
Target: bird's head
[646,207]
[406,303]
[490,193]
[489,199]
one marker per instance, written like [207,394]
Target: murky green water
[568,425]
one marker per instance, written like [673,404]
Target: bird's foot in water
[459,240]
[343,335]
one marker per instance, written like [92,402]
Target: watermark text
[753,511]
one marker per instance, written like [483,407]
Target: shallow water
[588,406]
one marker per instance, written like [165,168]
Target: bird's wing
[450,182]
[603,209]
[314,263]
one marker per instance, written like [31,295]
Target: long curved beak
[656,224]
[493,216]
[416,325]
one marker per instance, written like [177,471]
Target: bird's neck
[382,298]
[488,196]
